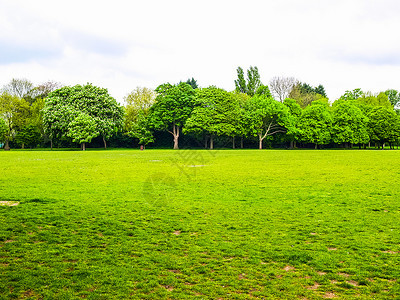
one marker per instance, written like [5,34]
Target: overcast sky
[119,45]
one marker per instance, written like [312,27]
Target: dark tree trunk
[241,142]
[291,145]
[233,142]
[211,142]
[316,146]
[23,146]
[51,144]
[105,143]
[205,142]
[7,146]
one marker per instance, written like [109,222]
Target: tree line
[286,112]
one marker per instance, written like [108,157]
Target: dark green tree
[217,113]
[252,84]
[320,90]
[315,124]
[240,83]
[193,83]
[174,104]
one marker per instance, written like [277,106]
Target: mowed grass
[228,224]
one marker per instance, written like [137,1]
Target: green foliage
[82,129]
[253,82]
[64,105]
[217,112]
[320,90]
[315,124]
[383,124]
[393,97]
[3,130]
[305,94]
[352,95]
[28,135]
[140,129]
[380,99]
[240,83]
[138,102]
[193,83]
[349,124]
[266,117]
[174,104]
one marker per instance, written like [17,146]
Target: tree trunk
[51,144]
[211,142]
[175,133]
[260,140]
[233,142]
[23,146]
[83,146]
[205,142]
[316,146]
[7,146]
[105,143]
[291,145]
[383,146]
[241,142]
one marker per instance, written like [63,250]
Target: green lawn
[229,224]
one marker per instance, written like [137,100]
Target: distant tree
[370,99]
[82,129]
[350,125]
[281,86]
[193,83]
[240,83]
[18,87]
[217,113]
[352,95]
[393,97]
[315,124]
[263,90]
[304,94]
[65,104]
[138,102]
[15,112]
[42,91]
[320,90]
[253,81]
[266,117]
[174,104]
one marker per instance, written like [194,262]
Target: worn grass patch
[246,224]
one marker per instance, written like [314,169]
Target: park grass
[230,224]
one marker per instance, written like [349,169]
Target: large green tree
[295,111]
[350,125]
[383,125]
[315,123]
[265,117]
[65,104]
[3,130]
[393,97]
[173,105]
[217,113]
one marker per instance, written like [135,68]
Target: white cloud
[123,44]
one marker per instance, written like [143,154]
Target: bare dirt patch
[329,295]
[289,268]
[390,252]
[352,282]
[344,274]
[321,273]
[313,287]
[177,232]
[332,249]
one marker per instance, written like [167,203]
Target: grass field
[228,224]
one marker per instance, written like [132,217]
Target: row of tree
[285,111]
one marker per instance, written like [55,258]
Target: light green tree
[63,106]
[265,117]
